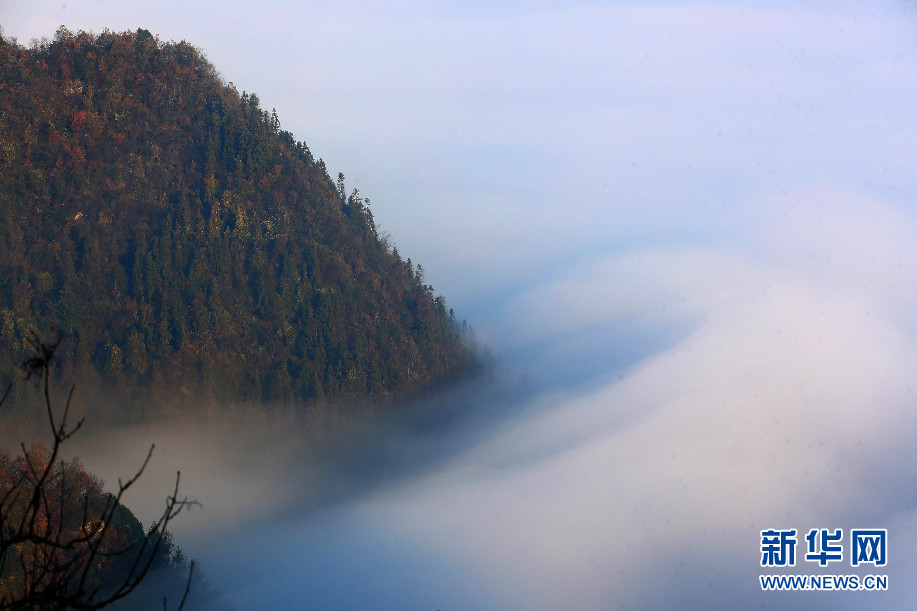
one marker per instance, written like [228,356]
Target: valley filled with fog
[688,235]
[596,469]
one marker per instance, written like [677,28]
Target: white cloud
[579,174]
[779,410]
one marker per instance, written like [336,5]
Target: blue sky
[692,225]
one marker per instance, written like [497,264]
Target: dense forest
[179,240]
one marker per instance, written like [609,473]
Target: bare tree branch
[53,550]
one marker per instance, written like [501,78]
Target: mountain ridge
[181,241]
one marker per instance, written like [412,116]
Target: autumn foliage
[65,543]
[58,511]
[183,241]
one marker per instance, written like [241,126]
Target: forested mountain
[179,240]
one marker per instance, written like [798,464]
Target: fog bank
[687,230]
[641,481]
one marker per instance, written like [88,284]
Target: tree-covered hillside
[180,240]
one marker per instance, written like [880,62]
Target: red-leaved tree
[64,542]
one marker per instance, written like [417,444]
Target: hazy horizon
[685,229]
